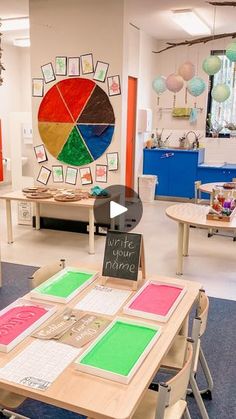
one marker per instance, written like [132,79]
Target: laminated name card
[20,319]
[155,301]
[64,285]
[120,350]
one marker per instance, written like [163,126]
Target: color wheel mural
[76,121]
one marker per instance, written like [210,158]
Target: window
[219,114]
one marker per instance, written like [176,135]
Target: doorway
[131,131]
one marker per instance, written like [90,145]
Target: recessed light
[21,42]
[14,24]
[190,22]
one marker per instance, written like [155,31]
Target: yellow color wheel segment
[54,135]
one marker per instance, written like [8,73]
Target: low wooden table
[20,196]
[192,214]
[100,398]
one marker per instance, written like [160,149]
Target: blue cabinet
[176,170]
[208,174]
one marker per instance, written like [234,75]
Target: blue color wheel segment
[96,137]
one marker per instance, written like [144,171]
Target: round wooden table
[192,214]
[209,188]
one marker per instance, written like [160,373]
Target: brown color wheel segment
[98,109]
[52,108]
[75,94]
[54,135]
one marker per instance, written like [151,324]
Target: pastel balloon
[174,83]
[187,70]
[196,86]
[159,84]
[231,52]
[220,92]
[211,65]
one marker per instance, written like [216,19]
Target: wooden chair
[10,400]
[170,400]
[174,359]
[45,272]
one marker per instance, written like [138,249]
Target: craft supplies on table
[120,350]
[64,285]
[155,301]
[38,365]
[20,319]
[103,300]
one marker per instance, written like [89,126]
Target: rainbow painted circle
[76,121]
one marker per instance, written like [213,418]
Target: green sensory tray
[64,285]
[119,351]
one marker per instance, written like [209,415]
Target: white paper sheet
[103,300]
[39,364]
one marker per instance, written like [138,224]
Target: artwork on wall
[87,63]
[100,71]
[57,173]
[37,87]
[44,175]
[71,175]
[73,66]
[112,161]
[76,121]
[40,153]
[86,176]
[61,66]
[48,73]
[101,173]
[113,83]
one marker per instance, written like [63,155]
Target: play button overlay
[119,209]
[116,209]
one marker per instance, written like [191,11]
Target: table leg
[180,249]
[9,222]
[37,216]
[91,232]
[186,240]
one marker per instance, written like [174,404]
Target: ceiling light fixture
[21,42]
[190,22]
[15,23]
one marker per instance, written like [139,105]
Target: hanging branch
[191,42]
[222,3]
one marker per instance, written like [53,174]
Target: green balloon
[231,52]
[159,84]
[220,92]
[211,65]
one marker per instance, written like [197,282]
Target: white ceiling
[152,16]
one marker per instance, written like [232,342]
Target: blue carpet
[218,343]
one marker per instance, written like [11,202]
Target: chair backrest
[45,272]
[179,383]
[197,192]
[202,311]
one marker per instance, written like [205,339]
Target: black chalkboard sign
[122,255]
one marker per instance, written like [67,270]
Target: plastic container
[147,187]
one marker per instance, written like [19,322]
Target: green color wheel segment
[65,285]
[74,151]
[120,348]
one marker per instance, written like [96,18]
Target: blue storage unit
[176,170]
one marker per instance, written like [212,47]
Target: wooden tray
[67,198]
[120,350]
[39,195]
[64,285]
[34,189]
[221,217]
[20,319]
[155,301]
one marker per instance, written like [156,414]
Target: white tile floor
[211,261]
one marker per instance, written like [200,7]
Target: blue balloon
[196,86]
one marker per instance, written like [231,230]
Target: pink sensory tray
[20,319]
[155,301]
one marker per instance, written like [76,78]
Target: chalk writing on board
[122,253]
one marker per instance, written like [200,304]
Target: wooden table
[100,398]
[20,196]
[192,214]
[209,188]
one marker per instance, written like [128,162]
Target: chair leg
[198,397]
[207,374]
[186,414]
